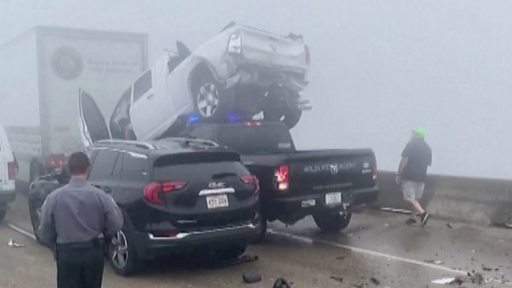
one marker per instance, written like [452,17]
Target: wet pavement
[377,250]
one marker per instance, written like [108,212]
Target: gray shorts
[412,190]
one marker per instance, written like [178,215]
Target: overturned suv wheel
[332,221]
[121,254]
[212,102]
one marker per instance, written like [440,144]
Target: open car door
[92,123]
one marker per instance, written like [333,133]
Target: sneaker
[424,218]
[411,221]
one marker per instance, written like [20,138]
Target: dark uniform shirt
[78,212]
[419,157]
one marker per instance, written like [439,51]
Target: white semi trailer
[41,72]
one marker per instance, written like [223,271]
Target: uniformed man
[73,219]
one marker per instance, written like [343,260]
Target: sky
[379,68]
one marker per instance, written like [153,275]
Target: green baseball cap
[420,132]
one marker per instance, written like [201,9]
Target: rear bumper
[7,196]
[304,204]
[148,245]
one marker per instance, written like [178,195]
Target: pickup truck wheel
[34,208]
[263,232]
[211,101]
[121,254]
[292,117]
[332,222]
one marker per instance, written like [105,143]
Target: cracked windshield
[257,143]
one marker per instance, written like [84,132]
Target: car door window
[103,165]
[142,85]
[135,168]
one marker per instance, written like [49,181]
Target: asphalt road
[376,245]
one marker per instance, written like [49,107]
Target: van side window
[142,85]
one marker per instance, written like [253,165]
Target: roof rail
[138,144]
[192,141]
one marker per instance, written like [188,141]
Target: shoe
[424,218]
[411,221]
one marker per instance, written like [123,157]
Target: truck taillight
[56,161]
[153,190]
[282,177]
[11,167]
[235,43]
[374,168]
[251,180]
[307,55]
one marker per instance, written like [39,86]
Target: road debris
[360,285]
[341,258]
[251,277]
[375,281]
[338,279]
[281,283]
[437,262]
[486,268]
[449,225]
[14,244]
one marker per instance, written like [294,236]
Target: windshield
[271,139]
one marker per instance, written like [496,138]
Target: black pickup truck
[295,184]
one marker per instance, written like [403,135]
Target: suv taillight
[281,178]
[11,167]
[153,190]
[251,180]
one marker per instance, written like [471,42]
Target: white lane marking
[366,251]
[22,231]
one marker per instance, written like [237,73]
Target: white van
[8,169]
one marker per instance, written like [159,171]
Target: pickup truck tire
[263,232]
[211,101]
[292,117]
[332,222]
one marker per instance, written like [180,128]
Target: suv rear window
[266,139]
[103,165]
[198,166]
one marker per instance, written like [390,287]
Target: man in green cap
[412,172]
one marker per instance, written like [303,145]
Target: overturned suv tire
[332,221]
[211,101]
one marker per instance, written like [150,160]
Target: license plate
[217,201]
[333,198]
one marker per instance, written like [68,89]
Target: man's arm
[401,167]
[113,216]
[46,231]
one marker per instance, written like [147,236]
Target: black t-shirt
[419,157]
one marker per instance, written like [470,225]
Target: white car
[8,168]
[241,72]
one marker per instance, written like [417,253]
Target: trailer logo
[67,63]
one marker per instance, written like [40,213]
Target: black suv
[177,195]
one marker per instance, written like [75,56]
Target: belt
[95,243]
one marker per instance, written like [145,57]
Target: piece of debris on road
[251,277]
[338,279]
[375,281]
[449,225]
[281,283]
[14,244]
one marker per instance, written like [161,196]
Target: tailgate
[331,171]
[273,51]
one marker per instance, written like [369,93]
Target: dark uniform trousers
[80,265]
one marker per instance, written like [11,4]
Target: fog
[379,68]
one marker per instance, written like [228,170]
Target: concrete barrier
[473,200]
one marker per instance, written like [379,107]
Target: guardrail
[472,200]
